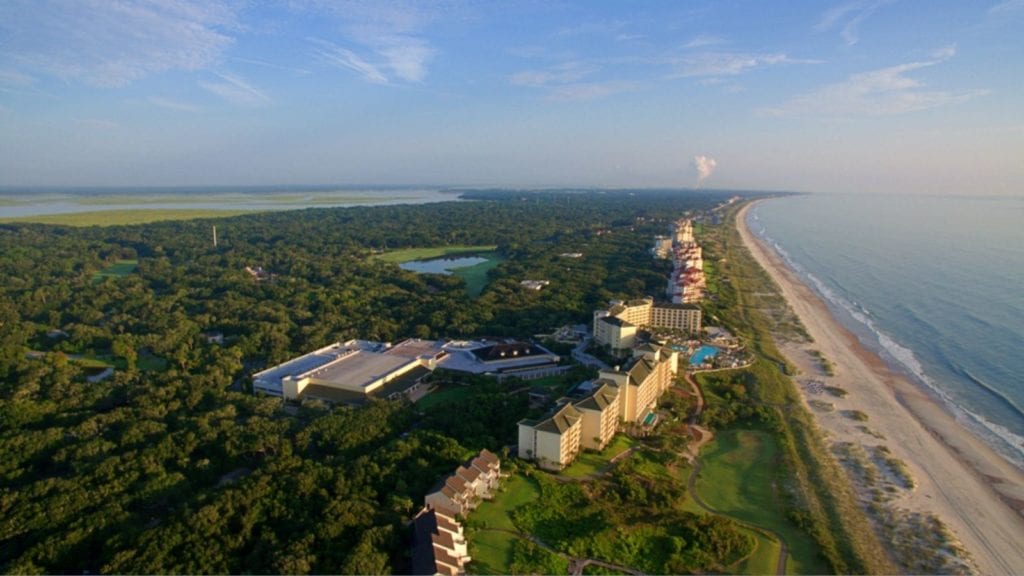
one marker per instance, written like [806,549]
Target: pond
[442,265]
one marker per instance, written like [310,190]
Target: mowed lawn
[490,526]
[590,462]
[409,254]
[476,275]
[737,477]
[116,270]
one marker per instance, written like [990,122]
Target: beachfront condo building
[617,326]
[651,373]
[554,441]
[600,419]
[619,395]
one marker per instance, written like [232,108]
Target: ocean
[934,285]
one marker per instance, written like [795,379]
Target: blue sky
[861,96]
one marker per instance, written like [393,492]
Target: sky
[861,96]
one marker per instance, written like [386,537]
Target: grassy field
[764,558]
[476,276]
[492,551]
[410,254]
[497,513]
[447,393]
[736,479]
[590,462]
[118,269]
[123,217]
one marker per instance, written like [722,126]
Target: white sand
[978,494]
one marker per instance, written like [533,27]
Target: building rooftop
[600,399]
[561,420]
[507,351]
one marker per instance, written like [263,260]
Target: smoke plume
[705,166]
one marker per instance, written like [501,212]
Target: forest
[171,465]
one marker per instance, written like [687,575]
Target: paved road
[582,357]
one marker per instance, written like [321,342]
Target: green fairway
[476,276]
[118,269]
[120,217]
[737,477]
[764,558]
[410,254]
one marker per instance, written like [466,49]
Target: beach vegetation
[858,415]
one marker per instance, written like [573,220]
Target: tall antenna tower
[214,236]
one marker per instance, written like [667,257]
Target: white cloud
[16,79]
[563,73]
[112,43]
[345,58]
[392,32]
[883,92]
[727,64]
[848,17]
[236,91]
[704,40]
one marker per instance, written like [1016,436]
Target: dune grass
[123,217]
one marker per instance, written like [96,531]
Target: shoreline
[961,480]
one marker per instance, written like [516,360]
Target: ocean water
[934,285]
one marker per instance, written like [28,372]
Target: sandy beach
[963,482]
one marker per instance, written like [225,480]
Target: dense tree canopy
[170,466]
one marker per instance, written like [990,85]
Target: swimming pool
[702,354]
[650,419]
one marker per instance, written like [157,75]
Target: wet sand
[978,494]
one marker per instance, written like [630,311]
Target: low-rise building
[439,544]
[352,371]
[472,482]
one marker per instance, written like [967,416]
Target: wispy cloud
[714,64]
[347,59]
[564,82]
[114,43]
[580,91]
[14,78]
[236,91]
[171,104]
[884,92]
[391,32]
[563,73]
[848,17]
[271,65]
[703,41]
[1007,6]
